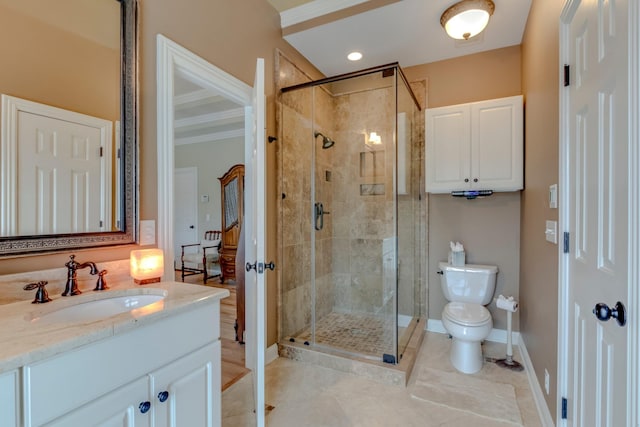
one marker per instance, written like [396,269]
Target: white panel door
[597,192]
[185,210]
[255,243]
[59,176]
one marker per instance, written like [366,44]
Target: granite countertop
[26,337]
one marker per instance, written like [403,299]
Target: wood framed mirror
[122,198]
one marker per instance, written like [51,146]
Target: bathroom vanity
[152,365]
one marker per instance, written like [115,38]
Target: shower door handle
[319,213]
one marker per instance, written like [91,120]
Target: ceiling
[203,115]
[403,31]
[324,31]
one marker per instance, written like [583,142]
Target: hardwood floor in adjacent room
[233,359]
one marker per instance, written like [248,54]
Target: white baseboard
[403,320]
[496,335]
[543,410]
[271,354]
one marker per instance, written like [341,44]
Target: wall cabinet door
[118,408]
[497,144]
[448,155]
[187,391]
[475,146]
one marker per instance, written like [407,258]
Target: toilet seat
[466,314]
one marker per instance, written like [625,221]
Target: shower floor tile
[358,333]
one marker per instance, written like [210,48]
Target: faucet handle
[42,295]
[101,284]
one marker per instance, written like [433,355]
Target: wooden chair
[203,257]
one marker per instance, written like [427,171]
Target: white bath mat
[467,393]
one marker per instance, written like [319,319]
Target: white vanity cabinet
[159,374]
[187,392]
[119,407]
[10,398]
[475,146]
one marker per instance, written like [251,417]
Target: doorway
[174,60]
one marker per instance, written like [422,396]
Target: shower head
[326,141]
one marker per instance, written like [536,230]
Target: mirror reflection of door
[57,169]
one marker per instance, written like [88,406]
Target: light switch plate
[147,232]
[551,231]
[553,196]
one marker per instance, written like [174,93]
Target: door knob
[144,407]
[192,227]
[271,266]
[604,312]
[250,266]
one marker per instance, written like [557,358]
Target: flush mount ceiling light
[467,18]
[354,56]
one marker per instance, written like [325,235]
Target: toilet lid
[465,313]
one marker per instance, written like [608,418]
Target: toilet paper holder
[508,304]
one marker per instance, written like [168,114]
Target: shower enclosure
[351,217]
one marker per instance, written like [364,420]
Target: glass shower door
[354,217]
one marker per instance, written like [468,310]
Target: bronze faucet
[71,287]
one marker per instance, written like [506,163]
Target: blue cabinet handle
[163,396]
[144,407]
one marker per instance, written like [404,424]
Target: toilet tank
[468,283]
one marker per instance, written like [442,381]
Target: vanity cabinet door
[10,399]
[119,408]
[187,392]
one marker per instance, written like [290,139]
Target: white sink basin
[103,308]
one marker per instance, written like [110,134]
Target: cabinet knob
[144,407]
[475,179]
[163,396]
[466,180]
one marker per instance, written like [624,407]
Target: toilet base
[466,356]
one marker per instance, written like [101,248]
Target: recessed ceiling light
[354,56]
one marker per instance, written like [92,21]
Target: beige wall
[230,35]
[213,159]
[489,228]
[539,259]
[58,68]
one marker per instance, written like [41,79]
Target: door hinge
[118,153]
[567,74]
[564,408]
[566,242]
[100,223]
[101,151]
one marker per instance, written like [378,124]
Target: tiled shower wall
[358,194]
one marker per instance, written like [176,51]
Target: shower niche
[349,157]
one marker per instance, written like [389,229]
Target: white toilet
[469,288]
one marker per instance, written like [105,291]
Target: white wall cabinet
[475,146]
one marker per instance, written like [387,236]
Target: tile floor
[359,333]
[437,395]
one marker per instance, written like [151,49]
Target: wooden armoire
[232,192]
